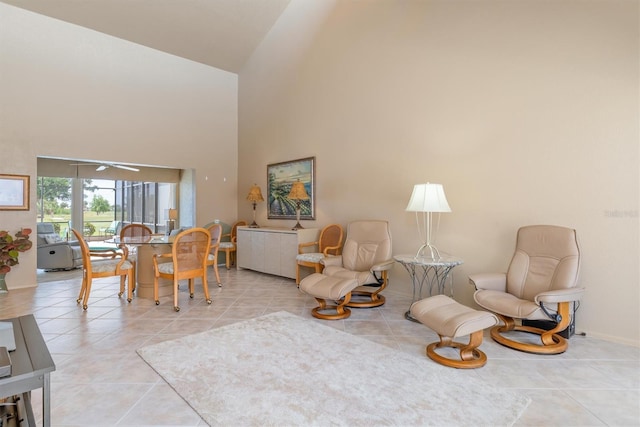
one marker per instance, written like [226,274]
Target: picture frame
[14,192]
[280,178]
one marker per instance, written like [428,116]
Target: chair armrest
[107,253]
[489,281]
[57,244]
[155,259]
[335,249]
[383,266]
[560,295]
[305,245]
[332,260]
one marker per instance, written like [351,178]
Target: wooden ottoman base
[324,288]
[449,320]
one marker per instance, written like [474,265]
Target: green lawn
[98,222]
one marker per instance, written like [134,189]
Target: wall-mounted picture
[281,178]
[14,192]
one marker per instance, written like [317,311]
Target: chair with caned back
[103,263]
[228,243]
[216,233]
[329,243]
[188,259]
[134,230]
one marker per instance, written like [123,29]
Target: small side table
[428,274]
[31,365]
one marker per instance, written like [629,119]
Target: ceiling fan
[104,166]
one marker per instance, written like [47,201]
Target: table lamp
[255,196]
[427,198]
[298,193]
[172,216]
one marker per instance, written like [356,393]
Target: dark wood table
[31,365]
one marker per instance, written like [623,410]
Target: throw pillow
[52,238]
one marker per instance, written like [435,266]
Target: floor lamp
[298,193]
[255,196]
[427,198]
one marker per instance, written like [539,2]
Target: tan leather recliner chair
[540,284]
[355,278]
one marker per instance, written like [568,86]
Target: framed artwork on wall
[14,192]
[280,179]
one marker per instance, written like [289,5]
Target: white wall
[527,112]
[69,92]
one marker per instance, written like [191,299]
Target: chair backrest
[216,234]
[46,234]
[330,239]
[190,250]
[86,256]
[367,242]
[113,228]
[231,236]
[135,230]
[547,257]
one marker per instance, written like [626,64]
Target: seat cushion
[107,265]
[321,286]
[227,245]
[314,257]
[362,277]
[508,305]
[166,268]
[450,318]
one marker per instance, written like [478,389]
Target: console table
[271,250]
[430,272]
[31,365]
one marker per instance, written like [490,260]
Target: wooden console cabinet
[271,250]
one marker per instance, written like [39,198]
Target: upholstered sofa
[55,253]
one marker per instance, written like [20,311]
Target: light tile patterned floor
[101,381]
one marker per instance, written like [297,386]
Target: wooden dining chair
[229,247]
[329,243]
[188,259]
[103,263]
[134,230]
[216,233]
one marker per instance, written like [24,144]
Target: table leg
[46,401]
[435,277]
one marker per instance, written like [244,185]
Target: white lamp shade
[428,198]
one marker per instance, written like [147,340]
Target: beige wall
[527,112]
[66,91]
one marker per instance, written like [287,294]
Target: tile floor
[101,381]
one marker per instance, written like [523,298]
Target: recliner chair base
[559,343]
[551,341]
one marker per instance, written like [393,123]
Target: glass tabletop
[444,260]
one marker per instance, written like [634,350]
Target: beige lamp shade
[255,194]
[298,192]
[428,197]
[172,214]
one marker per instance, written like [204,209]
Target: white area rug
[282,370]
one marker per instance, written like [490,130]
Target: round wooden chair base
[367,303]
[558,345]
[333,315]
[478,361]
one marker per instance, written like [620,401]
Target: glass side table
[428,276]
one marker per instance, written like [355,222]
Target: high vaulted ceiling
[220,33]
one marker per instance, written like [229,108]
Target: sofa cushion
[52,238]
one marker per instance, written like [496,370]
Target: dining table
[145,247]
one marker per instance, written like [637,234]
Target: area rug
[283,370]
